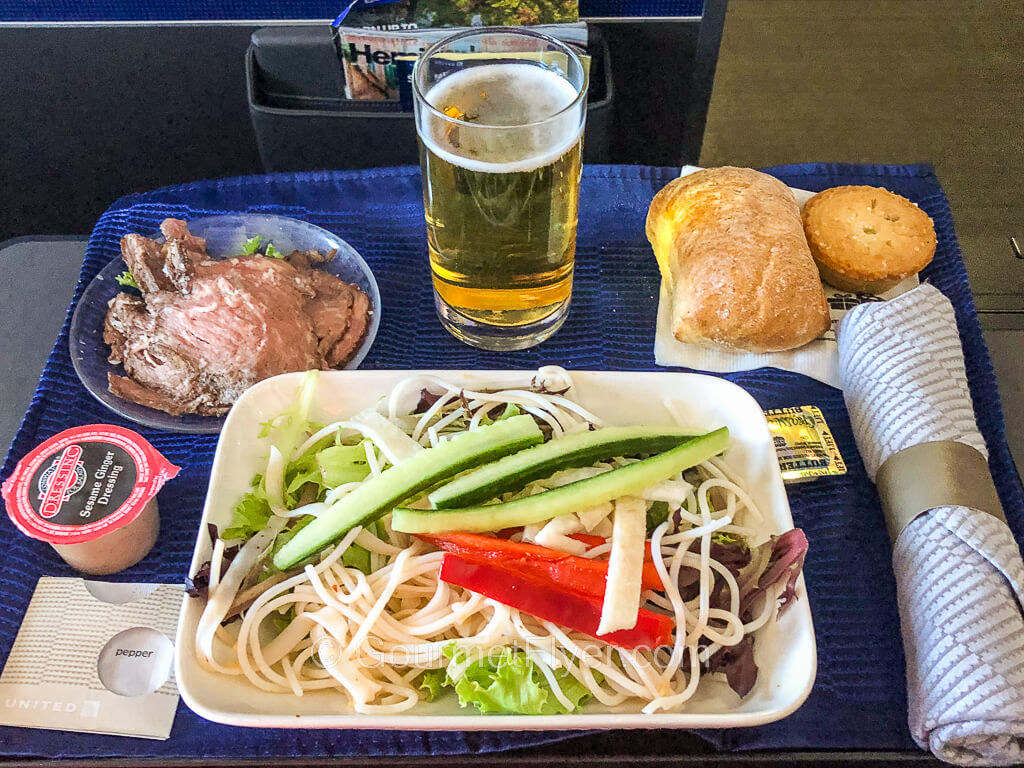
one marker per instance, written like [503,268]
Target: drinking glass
[499,117]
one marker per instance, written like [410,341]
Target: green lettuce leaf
[657,514]
[432,683]
[340,464]
[251,514]
[301,471]
[357,557]
[281,621]
[511,683]
[296,477]
[729,540]
[251,246]
[326,466]
[127,279]
[291,425]
[511,409]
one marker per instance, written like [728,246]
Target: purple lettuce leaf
[737,662]
[783,567]
[785,564]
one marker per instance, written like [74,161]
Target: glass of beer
[499,116]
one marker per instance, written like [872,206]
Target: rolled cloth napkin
[959,575]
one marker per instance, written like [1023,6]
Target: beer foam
[517,95]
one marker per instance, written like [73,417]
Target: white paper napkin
[818,359]
[959,574]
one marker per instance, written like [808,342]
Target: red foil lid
[84,483]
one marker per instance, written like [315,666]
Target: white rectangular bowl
[785,651]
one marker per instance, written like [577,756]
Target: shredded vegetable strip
[625,566]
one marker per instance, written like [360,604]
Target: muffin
[867,239]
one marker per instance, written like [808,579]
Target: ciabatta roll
[733,255]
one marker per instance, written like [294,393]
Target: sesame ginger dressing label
[84,482]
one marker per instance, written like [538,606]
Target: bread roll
[867,239]
[732,252]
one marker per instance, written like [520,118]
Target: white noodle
[429,414]
[340,491]
[371,459]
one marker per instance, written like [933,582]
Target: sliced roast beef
[330,311]
[179,265]
[207,330]
[342,352]
[123,314]
[176,229]
[306,260]
[129,389]
[146,263]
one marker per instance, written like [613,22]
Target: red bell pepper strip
[577,573]
[549,600]
[596,541]
[651,579]
[687,574]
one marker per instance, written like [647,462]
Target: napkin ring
[936,474]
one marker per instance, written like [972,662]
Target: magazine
[398,15]
[376,62]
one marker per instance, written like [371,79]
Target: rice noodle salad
[503,546]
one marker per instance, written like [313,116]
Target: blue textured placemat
[859,700]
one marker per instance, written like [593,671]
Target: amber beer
[501,192]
